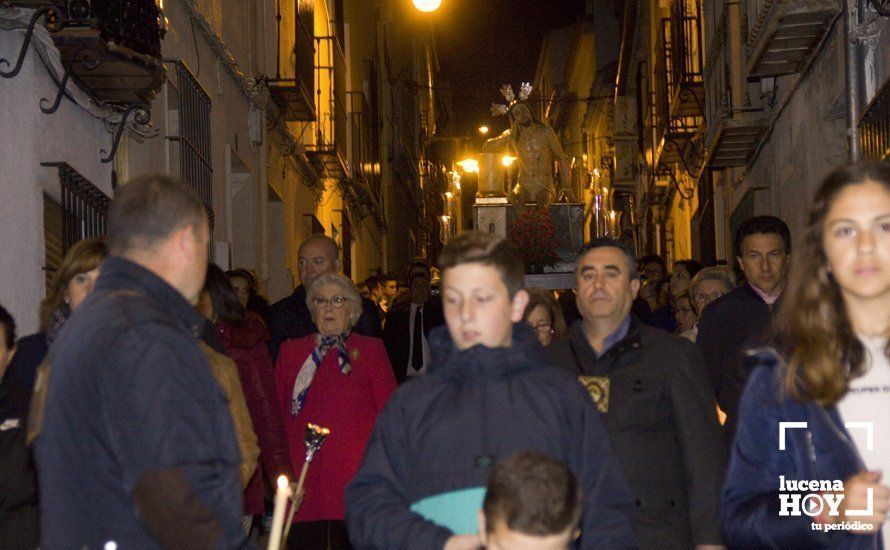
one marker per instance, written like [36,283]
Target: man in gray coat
[653,391]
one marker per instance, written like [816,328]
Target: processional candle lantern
[491,175]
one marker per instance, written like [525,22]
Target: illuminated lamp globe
[427,6]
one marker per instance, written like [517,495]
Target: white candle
[281,496]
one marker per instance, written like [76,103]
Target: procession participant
[744,317]
[532,501]
[134,439]
[290,317]
[829,373]
[655,398]
[492,391]
[341,381]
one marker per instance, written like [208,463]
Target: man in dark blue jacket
[290,317]
[134,440]
[491,392]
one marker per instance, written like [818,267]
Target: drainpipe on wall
[852,77]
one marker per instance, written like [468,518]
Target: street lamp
[469,165]
[483,130]
[427,6]
[508,160]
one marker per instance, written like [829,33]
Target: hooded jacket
[819,450]
[436,441]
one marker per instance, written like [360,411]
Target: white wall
[30,137]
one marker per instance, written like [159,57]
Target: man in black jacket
[654,394]
[134,439]
[290,317]
[743,318]
[409,323]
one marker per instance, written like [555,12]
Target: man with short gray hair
[654,394]
[134,440]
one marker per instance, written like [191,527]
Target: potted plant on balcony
[533,237]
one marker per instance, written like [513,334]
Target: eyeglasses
[542,328]
[335,301]
[702,297]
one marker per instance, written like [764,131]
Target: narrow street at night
[444,274]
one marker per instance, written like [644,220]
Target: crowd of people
[697,408]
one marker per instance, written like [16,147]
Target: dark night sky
[485,43]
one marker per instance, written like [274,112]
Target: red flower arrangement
[533,238]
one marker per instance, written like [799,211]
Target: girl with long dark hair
[818,410]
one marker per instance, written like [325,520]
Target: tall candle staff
[314,439]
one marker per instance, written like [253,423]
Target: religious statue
[535,147]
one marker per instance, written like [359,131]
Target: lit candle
[281,496]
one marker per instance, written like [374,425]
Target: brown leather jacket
[226,373]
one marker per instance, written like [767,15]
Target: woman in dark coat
[70,286]
[243,336]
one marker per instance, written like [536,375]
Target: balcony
[293,87]
[874,126]
[364,156]
[328,153]
[734,127]
[113,48]
[679,92]
[783,34]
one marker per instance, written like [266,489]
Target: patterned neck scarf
[310,366]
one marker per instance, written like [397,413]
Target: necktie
[417,339]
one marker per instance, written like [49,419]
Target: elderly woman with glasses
[707,285]
[338,380]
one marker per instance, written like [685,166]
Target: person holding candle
[336,379]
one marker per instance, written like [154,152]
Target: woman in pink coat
[340,381]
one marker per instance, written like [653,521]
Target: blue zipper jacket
[434,444]
[822,450]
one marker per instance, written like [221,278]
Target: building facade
[703,113]
[286,118]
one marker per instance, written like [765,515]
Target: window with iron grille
[188,133]
[83,207]
[874,126]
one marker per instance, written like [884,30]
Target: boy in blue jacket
[490,393]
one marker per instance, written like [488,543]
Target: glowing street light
[508,160]
[427,6]
[469,165]
[483,130]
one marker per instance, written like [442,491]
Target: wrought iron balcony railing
[328,153]
[293,88]
[112,48]
[734,126]
[84,206]
[874,126]
[678,92]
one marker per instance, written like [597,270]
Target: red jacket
[347,404]
[246,345]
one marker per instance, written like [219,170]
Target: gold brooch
[354,354]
